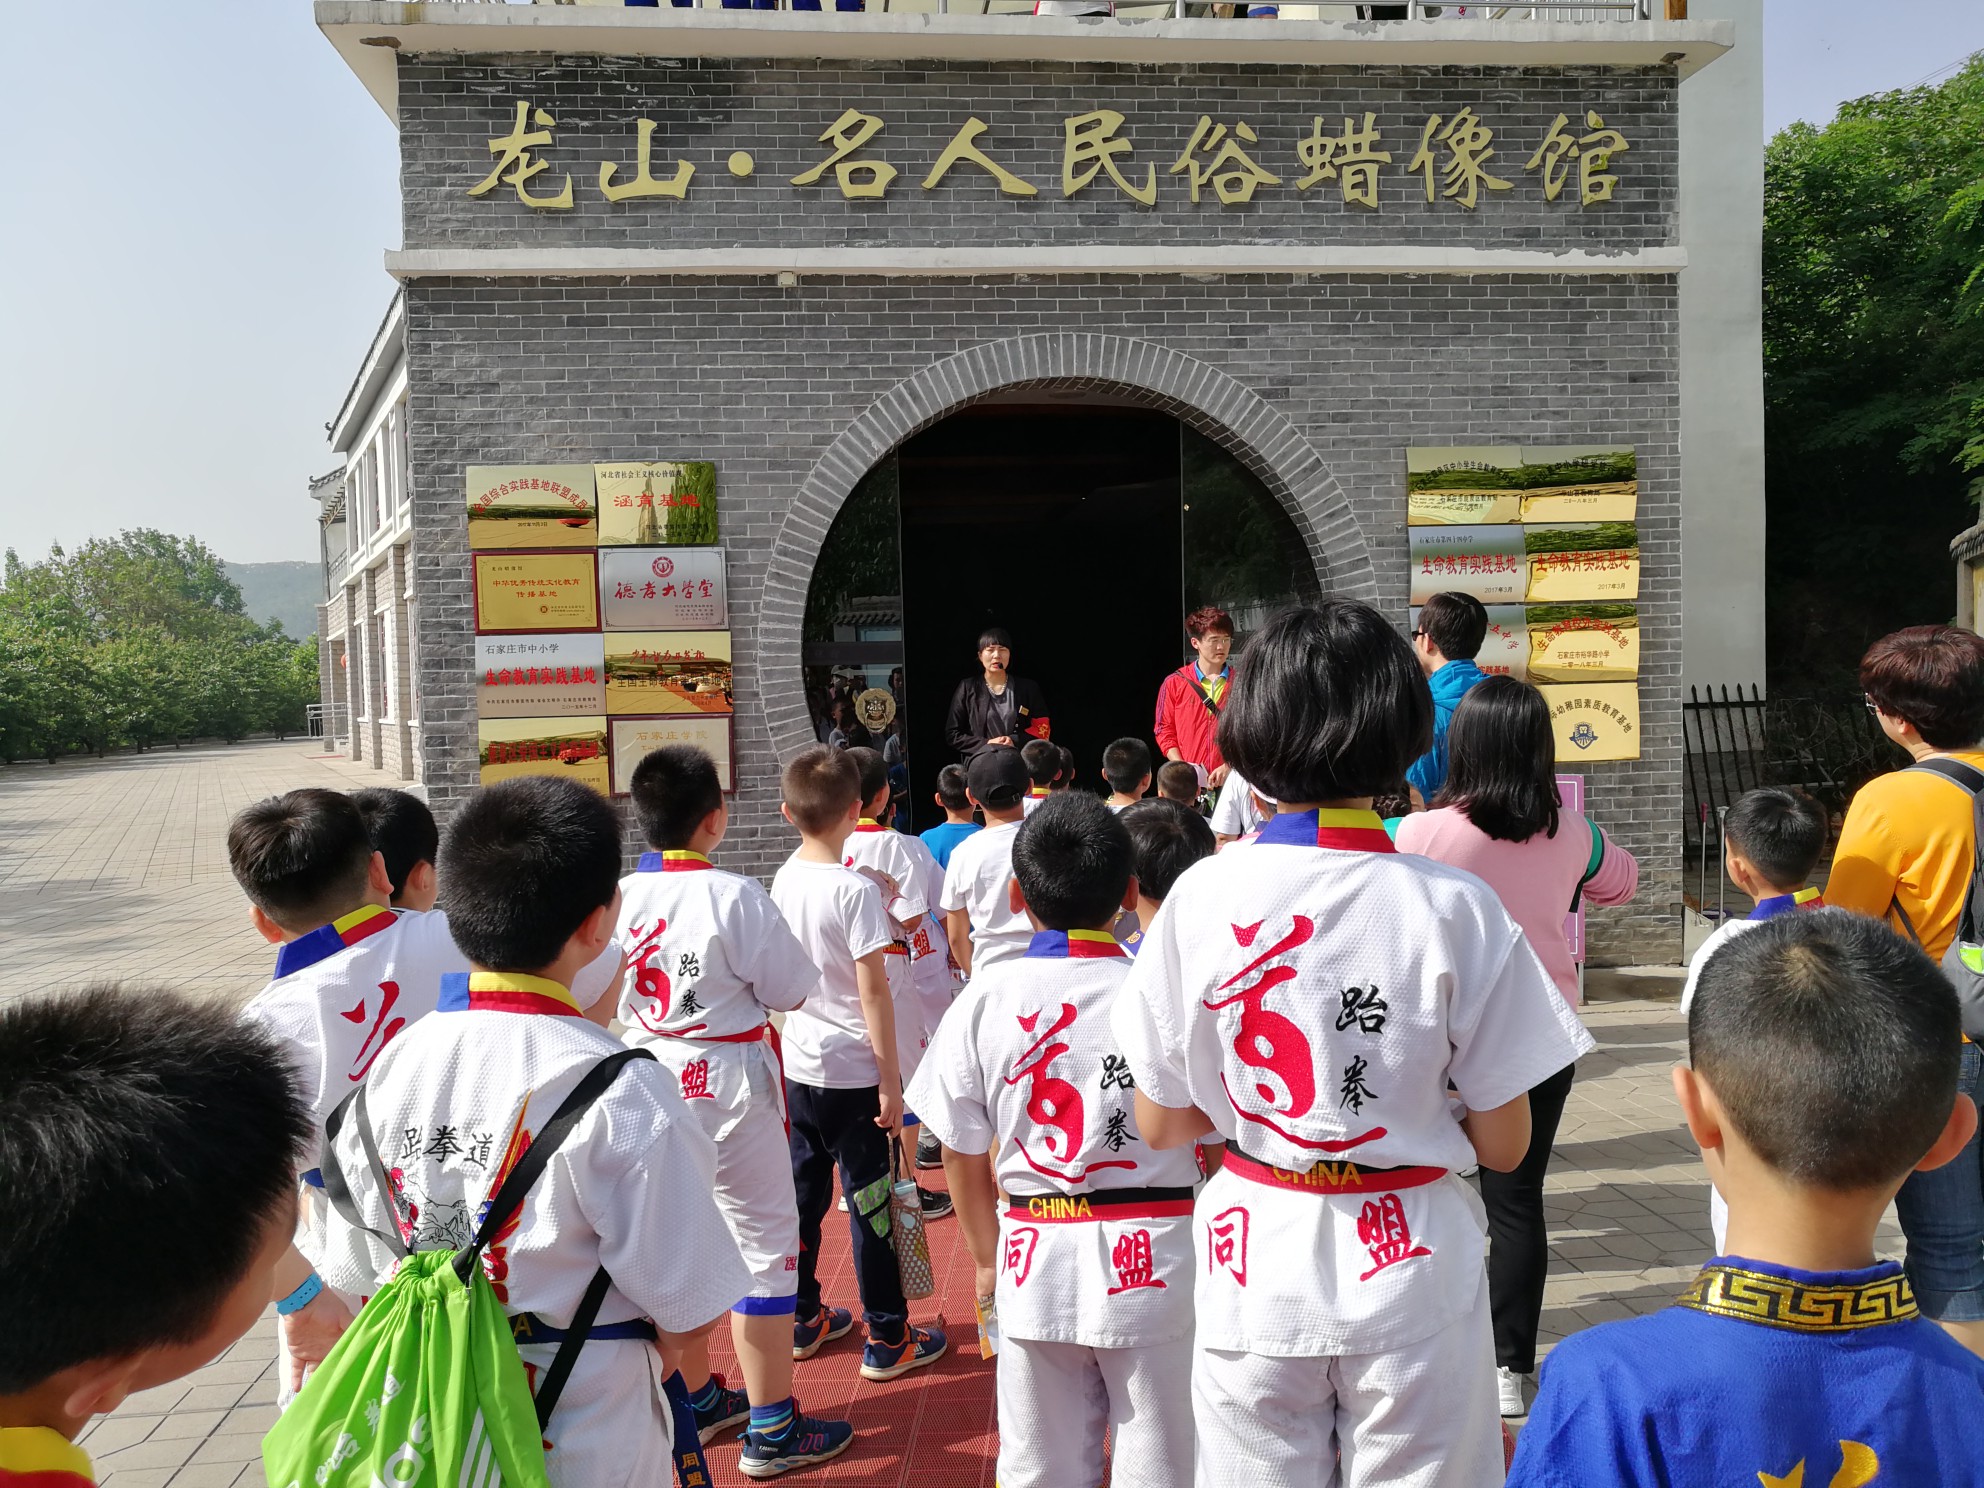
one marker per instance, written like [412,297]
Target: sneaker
[929,1152]
[935,1204]
[809,1338]
[886,1361]
[841,1203]
[809,1441]
[1508,1384]
[729,1409]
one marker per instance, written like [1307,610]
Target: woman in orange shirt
[1905,855]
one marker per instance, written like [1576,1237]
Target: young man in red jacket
[1189,702]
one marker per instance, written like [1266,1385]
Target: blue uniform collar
[1783,904]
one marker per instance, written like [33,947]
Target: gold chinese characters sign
[1455,158]
[667,671]
[656,503]
[568,748]
[531,506]
[1597,722]
[536,591]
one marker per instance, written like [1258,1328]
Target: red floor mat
[934,1428]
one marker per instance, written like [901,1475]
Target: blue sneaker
[886,1361]
[729,1409]
[808,1338]
[807,1442]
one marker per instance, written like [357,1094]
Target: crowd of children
[1203,1106]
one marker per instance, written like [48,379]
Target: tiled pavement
[118,869]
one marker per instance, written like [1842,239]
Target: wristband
[302,1297]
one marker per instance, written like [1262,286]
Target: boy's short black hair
[819,784]
[148,1141]
[951,788]
[873,770]
[1125,764]
[674,788]
[1072,858]
[1066,777]
[525,861]
[1165,839]
[302,858]
[1456,623]
[1043,761]
[1782,832]
[1832,1045]
[1178,780]
[402,830]
[1327,703]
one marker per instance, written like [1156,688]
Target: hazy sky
[197,196]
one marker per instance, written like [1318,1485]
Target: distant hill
[288,592]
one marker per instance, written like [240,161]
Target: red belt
[1329,1177]
[749,1036]
[1109,1203]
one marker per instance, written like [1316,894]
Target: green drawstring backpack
[425,1388]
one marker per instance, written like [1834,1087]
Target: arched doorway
[1086,523]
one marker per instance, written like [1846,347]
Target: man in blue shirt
[1448,638]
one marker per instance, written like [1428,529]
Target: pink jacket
[1535,879]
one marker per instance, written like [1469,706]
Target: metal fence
[327,720]
[1735,742]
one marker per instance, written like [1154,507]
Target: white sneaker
[1508,1384]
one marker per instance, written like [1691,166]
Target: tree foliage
[1873,367]
[139,640]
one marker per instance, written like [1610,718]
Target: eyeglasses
[1872,706]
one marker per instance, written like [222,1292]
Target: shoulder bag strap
[510,1196]
[553,1383]
[339,1192]
[1966,778]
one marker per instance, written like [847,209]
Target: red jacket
[1184,720]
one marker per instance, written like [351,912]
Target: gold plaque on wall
[532,506]
[536,591]
[1600,721]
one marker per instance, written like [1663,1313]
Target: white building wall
[1722,392]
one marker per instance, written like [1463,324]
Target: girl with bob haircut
[1311,1000]
[1499,817]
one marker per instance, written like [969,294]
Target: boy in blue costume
[1824,1052]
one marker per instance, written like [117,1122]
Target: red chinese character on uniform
[650,981]
[1266,1041]
[1017,1254]
[696,1080]
[361,1064]
[1382,1228]
[1052,1103]
[1133,1263]
[1226,1243]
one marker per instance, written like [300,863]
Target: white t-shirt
[875,847]
[708,957]
[981,868]
[836,915]
[1314,1002]
[1234,814]
[630,1190]
[1026,1066]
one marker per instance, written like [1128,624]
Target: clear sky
[197,197]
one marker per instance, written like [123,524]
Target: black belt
[528,1327]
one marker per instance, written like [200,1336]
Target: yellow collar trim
[1349,819]
[1780,1302]
[1102,936]
[35,1449]
[515,981]
[358,916]
[683,855]
[1804,896]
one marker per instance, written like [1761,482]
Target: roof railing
[1421,13]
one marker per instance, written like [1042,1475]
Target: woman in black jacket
[997,708]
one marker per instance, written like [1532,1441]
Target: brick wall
[1319,383]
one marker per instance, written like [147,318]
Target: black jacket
[975,715]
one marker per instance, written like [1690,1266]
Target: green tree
[1874,369]
[693,524]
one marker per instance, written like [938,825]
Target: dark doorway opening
[1060,524]
[1087,527]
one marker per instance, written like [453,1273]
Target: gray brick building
[802,339]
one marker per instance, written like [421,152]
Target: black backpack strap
[553,1383]
[339,1192]
[1967,778]
[510,1196]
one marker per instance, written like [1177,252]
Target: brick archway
[1193,391]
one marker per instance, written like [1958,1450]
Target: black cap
[997,778]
